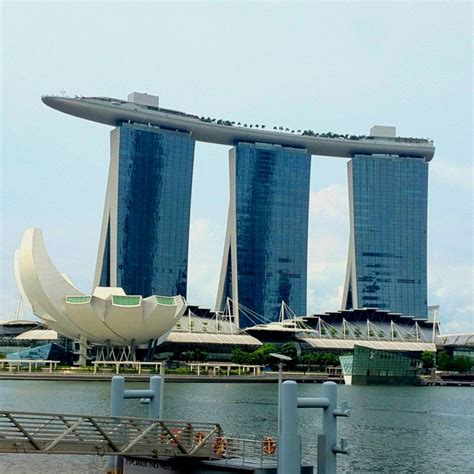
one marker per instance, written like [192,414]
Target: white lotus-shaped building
[108,315]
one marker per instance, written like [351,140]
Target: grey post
[156,402]
[330,425]
[115,463]
[152,396]
[280,358]
[280,381]
[289,455]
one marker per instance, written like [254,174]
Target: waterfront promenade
[268,377]
[86,376]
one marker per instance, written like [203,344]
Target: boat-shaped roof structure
[113,112]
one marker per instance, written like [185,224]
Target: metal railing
[53,433]
[242,451]
[24,432]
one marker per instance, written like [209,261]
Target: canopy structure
[462,339]
[212,338]
[320,343]
[38,335]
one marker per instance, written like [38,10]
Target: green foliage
[182,371]
[2,355]
[261,356]
[427,359]
[457,363]
[196,355]
[320,359]
[288,349]
[443,361]
[462,363]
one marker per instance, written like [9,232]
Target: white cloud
[330,204]
[205,255]
[456,174]
[451,286]
[327,247]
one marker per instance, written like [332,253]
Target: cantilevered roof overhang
[115,111]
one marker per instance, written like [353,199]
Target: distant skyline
[342,67]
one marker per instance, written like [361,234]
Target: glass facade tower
[145,229]
[387,250]
[265,253]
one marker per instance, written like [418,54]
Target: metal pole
[115,463]
[155,406]
[321,454]
[330,425]
[280,381]
[289,455]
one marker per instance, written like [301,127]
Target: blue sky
[341,66]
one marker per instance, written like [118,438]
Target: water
[390,430]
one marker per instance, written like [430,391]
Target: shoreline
[175,378]
[271,378]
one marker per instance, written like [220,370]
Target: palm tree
[274,128]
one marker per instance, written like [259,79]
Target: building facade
[388,223]
[265,252]
[145,229]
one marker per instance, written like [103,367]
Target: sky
[332,66]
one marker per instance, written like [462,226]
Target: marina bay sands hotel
[145,230]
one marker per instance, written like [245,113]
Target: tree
[288,349]
[444,361]
[462,363]
[238,356]
[195,355]
[427,359]
[260,356]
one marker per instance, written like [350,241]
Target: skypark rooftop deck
[113,112]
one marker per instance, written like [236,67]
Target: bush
[261,356]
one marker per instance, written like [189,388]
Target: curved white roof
[38,335]
[463,339]
[322,343]
[106,315]
[212,338]
[113,112]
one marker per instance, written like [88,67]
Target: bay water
[390,429]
